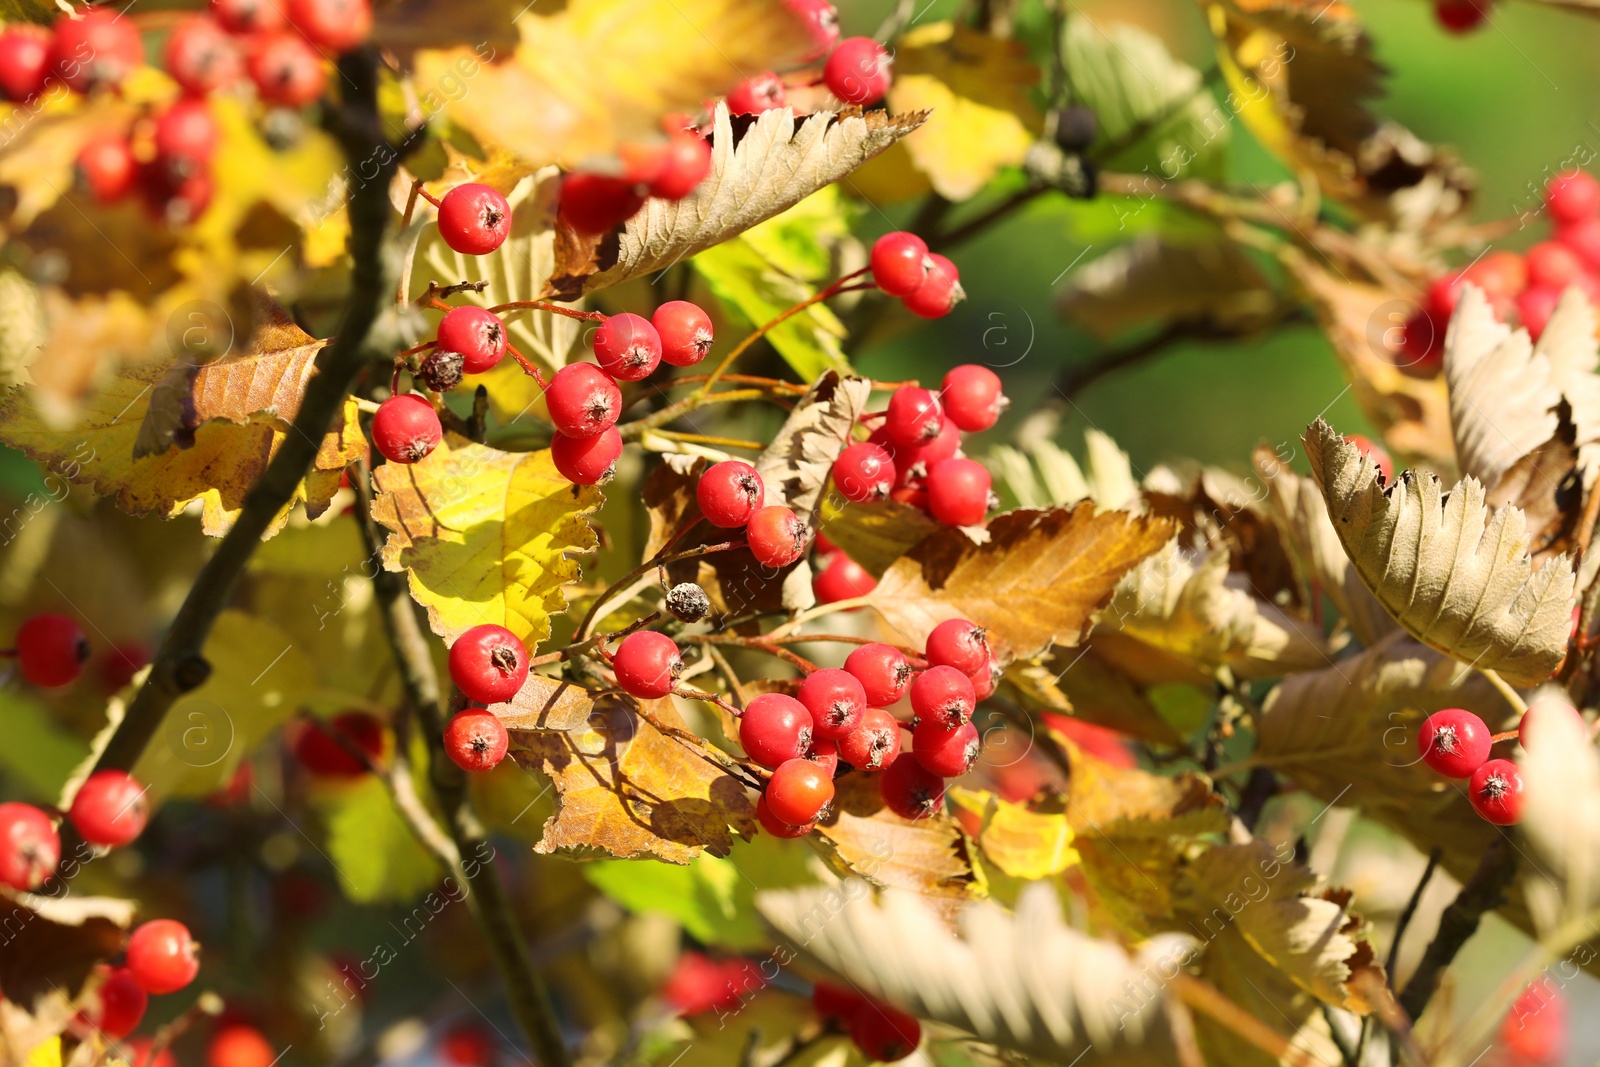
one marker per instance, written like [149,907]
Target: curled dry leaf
[1023,980]
[1456,576]
[795,466]
[1546,486]
[1217,509]
[53,942]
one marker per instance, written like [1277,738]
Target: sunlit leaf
[795,467]
[374,853]
[1022,843]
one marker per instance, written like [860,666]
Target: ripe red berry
[874,743]
[798,792]
[162,957]
[946,751]
[729,493]
[175,201]
[323,748]
[822,23]
[943,695]
[201,56]
[647,664]
[825,754]
[775,729]
[337,25]
[477,333]
[1534,1032]
[1461,16]
[186,137]
[24,61]
[960,644]
[900,263]
[940,292]
[834,1003]
[30,848]
[249,16]
[776,536]
[109,809]
[685,332]
[1496,792]
[474,219]
[118,1005]
[859,71]
[776,826]
[909,789]
[286,70]
[1453,742]
[915,417]
[594,203]
[835,699]
[583,400]
[864,472]
[468,1045]
[983,680]
[476,740]
[239,1045]
[755,95]
[95,50]
[1583,237]
[587,460]
[1535,305]
[405,428]
[488,663]
[1572,196]
[883,671]
[972,398]
[958,492]
[912,464]
[883,1033]
[1554,264]
[627,347]
[51,649]
[1538,719]
[842,579]
[685,160]
[105,168]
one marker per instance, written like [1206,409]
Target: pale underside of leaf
[1561,815]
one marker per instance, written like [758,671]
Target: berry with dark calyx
[324,748]
[822,22]
[441,370]
[249,16]
[798,792]
[30,847]
[647,664]
[939,292]
[834,1003]
[900,263]
[1572,196]
[859,71]
[24,61]
[337,25]
[972,398]
[476,740]
[286,70]
[109,809]
[162,956]
[835,699]
[685,332]
[186,137]
[960,644]
[583,400]
[118,1005]
[884,1034]
[201,56]
[95,50]
[729,493]
[946,751]
[1538,718]
[775,729]
[763,92]
[874,743]
[1554,264]
[883,671]
[911,465]
[105,168]
[627,347]
[776,826]
[477,333]
[51,649]
[489,663]
[825,754]
[405,428]
[864,472]
[1454,742]
[943,695]
[1077,127]
[685,162]
[1461,16]
[909,789]
[842,579]
[687,602]
[914,417]
[776,536]
[1496,792]
[592,204]
[474,219]
[587,460]
[1376,454]
[958,492]
[240,1045]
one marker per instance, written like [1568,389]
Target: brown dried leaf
[796,465]
[1078,682]
[54,943]
[875,534]
[1545,485]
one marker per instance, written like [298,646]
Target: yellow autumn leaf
[47,1054]
[1022,843]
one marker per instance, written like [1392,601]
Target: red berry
[1421,340]
[238,1045]
[186,137]
[834,1003]
[798,792]
[627,347]
[476,740]
[249,16]
[776,536]
[912,464]
[1453,742]
[1537,720]
[958,492]
[320,750]
[822,23]
[825,754]
[960,644]
[842,579]
[882,670]
[162,957]
[755,95]
[685,332]
[96,50]
[109,809]
[201,56]
[685,162]
[940,292]
[983,680]
[915,417]
[174,200]
[943,695]
[583,400]
[775,729]
[476,333]
[593,203]
[647,664]
[488,663]
[118,1005]
[1499,274]
[405,428]
[286,70]
[51,649]
[944,750]
[587,460]
[105,168]
[1461,16]
[883,1033]
[909,789]
[859,71]
[1583,237]
[864,472]
[1496,792]
[1535,305]
[337,25]
[1572,196]
[729,493]
[30,848]
[972,398]
[835,699]
[776,826]
[140,1052]
[468,1045]
[1554,264]
[874,743]
[1534,1032]
[900,263]
[24,61]
[474,219]
[1375,453]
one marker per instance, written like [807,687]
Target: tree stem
[1484,891]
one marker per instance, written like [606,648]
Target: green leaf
[38,755]
[371,847]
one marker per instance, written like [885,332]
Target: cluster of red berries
[161,957]
[592,203]
[882,1033]
[488,664]
[1521,287]
[1456,743]
[858,70]
[1462,16]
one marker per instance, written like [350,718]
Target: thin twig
[1511,696]
[1484,891]
[1410,910]
[660,558]
[1206,1000]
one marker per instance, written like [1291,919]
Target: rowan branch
[1484,891]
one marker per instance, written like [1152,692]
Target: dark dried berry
[441,371]
[688,602]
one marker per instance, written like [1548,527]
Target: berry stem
[672,412]
[760,644]
[415,349]
[429,197]
[554,309]
[818,612]
[660,558]
[696,744]
[739,349]
[527,365]
[1513,698]
[599,641]
[1506,735]
[707,439]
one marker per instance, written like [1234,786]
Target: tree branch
[1484,891]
